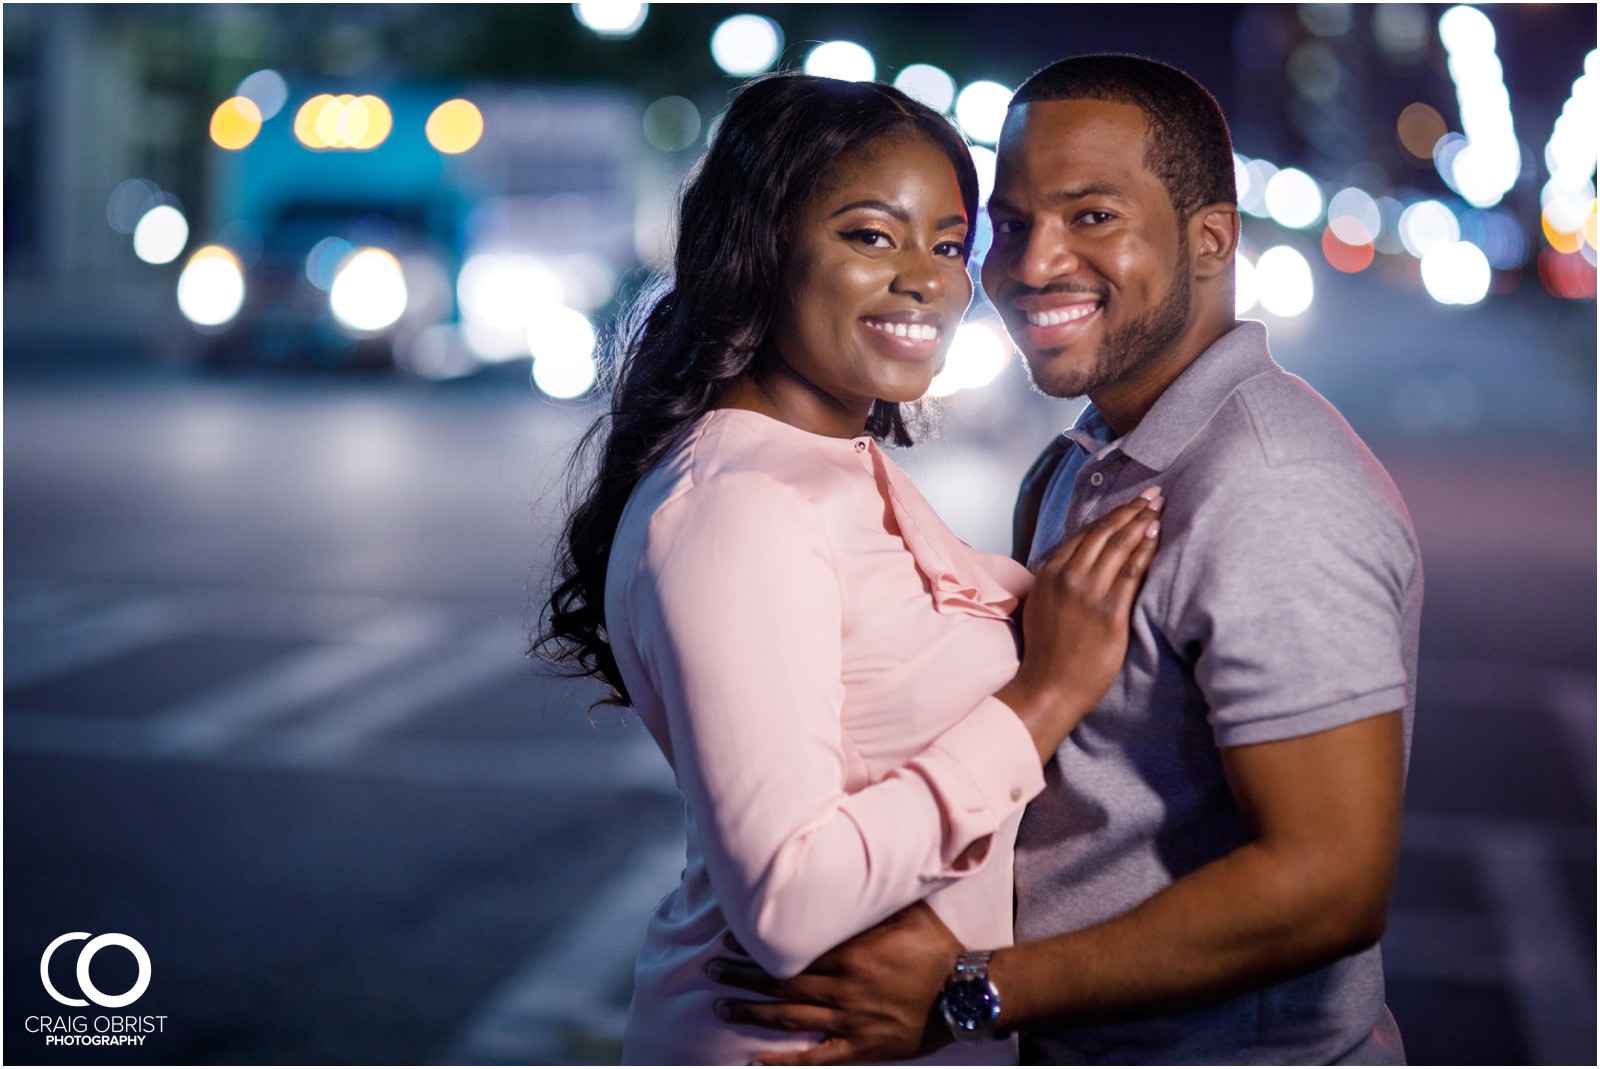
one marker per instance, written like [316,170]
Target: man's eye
[1096,218]
[1007,226]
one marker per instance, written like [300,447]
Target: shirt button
[1097,478]
[861,445]
[1016,794]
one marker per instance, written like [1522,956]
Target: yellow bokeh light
[328,121]
[379,122]
[1419,128]
[1560,240]
[1589,228]
[305,121]
[455,126]
[214,252]
[235,123]
[353,122]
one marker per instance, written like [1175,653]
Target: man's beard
[1131,346]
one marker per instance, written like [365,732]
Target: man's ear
[1214,238]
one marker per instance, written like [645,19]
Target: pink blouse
[815,653]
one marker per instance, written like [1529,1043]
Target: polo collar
[1189,404]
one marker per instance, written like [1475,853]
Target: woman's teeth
[913,331]
[1057,316]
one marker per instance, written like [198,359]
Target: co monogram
[85,956]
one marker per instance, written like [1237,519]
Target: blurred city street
[298,340]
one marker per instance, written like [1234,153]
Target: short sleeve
[1291,589]
[737,615]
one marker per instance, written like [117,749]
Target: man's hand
[872,996]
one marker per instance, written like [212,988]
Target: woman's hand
[1075,620]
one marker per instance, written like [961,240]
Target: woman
[830,672]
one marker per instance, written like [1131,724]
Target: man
[1207,873]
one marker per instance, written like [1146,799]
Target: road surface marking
[89,639]
[216,718]
[568,986]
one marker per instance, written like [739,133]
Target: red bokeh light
[1351,259]
[1567,274]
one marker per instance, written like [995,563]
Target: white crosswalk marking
[565,987]
[97,637]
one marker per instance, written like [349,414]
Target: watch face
[970,1006]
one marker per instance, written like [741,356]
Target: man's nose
[1047,256]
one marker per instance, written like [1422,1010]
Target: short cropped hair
[1188,144]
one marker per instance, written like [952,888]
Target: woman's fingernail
[714,970]
[1157,504]
[721,1009]
[1150,491]
[1153,530]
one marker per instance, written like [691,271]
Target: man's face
[1090,265]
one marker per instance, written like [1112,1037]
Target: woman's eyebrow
[898,212]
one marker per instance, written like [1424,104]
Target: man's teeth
[914,331]
[1057,316]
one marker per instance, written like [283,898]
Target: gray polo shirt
[1284,601]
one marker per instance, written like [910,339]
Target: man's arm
[1311,886]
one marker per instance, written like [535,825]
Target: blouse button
[861,445]
[1016,794]
[1097,478]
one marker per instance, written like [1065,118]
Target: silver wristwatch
[970,1002]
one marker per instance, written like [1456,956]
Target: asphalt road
[266,709]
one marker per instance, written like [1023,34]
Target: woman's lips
[901,338]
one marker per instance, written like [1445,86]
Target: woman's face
[874,286]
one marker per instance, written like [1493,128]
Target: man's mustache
[1016,291]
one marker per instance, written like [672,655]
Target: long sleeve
[736,610]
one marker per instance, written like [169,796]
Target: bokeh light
[1349,257]
[369,291]
[844,60]
[343,122]
[501,296]
[562,342]
[322,263]
[1326,20]
[1498,234]
[977,355]
[611,18]
[1425,224]
[1253,194]
[981,110]
[1283,281]
[1559,236]
[160,235]
[455,126]
[1315,71]
[1456,272]
[1567,274]
[1401,30]
[235,123]
[1353,216]
[1419,128]
[128,202]
[1293,199]
[984,160]
[1489,164]
[929,84]
[211,288]
[672,124]
[1245,290]
[746,44]
[267,89]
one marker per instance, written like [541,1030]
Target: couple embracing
[1160,828]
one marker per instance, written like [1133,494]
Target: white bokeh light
[1466,29]
[1425,224]
[1354,218]
[981,110]
[506,291]
[562,342]
[1294,199]
[369,291]
[977,355]
[612,18]
[211,288]
[1244,285]
[267,90]
[844,60]
[1283,281]
[1488,165]
[746,44]
[160,235]
[1253,198]
[984,161]
[1456,272]
[929,84]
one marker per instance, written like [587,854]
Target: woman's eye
[874,239]
[950,248]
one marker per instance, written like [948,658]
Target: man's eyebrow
[1060,196]
[899,213]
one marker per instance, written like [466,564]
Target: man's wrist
[969,1001]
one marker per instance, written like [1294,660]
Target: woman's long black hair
[690,336]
